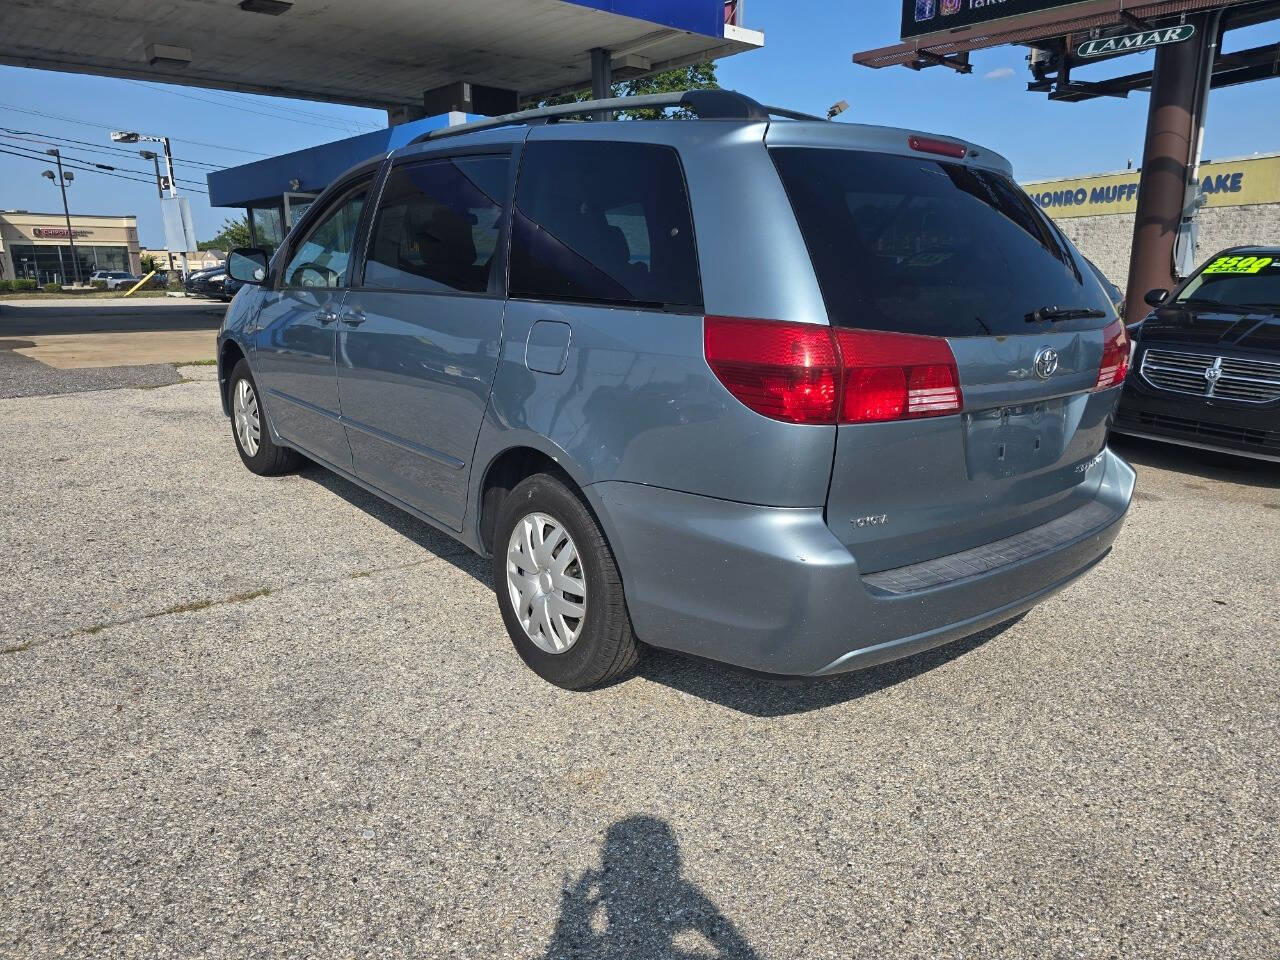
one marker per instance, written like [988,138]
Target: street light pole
[132,136]
[66,210]
[155,158]
[173,192]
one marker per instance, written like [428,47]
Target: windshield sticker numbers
[1238,265]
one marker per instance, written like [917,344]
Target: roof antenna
[837,108]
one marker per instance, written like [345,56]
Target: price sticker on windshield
[1239,265]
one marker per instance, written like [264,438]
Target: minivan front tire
[559,589]
[259,452]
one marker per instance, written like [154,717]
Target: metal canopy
[375,53]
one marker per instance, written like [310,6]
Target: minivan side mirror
[1156,297]
[248,264]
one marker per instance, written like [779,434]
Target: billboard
[1228,183]
[920,17]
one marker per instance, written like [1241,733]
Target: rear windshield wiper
[1054,314]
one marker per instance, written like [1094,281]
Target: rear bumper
[771,589]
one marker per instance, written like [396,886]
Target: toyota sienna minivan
[796,395]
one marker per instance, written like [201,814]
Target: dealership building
[35,246]
[1240,204]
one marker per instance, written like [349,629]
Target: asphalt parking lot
[245,717]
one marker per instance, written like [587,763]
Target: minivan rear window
[920,245]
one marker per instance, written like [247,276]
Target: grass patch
[251,595]
[195,363]
[189,607]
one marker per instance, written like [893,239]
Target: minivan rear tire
[605,647]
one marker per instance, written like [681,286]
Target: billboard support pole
[1166,169]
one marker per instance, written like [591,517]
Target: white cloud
[1000,73]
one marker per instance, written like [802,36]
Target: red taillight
[786,371]
[1115,357]
[945,148]
[896,376]
[804,373]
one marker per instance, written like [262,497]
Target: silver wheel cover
[248,424]
[546,582]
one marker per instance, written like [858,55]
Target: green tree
[149,264]
[234,233]
[699,76]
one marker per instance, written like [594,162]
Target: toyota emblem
[1046,363]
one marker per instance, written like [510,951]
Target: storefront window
[52,263]
[109,258]
[266,225]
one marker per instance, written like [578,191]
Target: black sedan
[214,282]
[1206,364]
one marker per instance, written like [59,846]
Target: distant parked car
[1208,359]
[1114,293]
[114,279]
[213,282]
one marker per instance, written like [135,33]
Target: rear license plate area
[1014,440]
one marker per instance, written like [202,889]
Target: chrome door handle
[326,316]
[353,319]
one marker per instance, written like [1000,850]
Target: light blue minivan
[796,395]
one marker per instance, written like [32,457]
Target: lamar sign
[1131,42]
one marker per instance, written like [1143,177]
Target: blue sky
[805,64]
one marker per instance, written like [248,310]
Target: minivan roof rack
[705,104]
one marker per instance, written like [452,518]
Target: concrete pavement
[249,717]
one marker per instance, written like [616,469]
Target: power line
[102,126]
[326,123]
[94,168]
[7,136]
[240,99]
[102,148]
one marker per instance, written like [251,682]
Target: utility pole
[132,136]
[155,158]
[66,210]
[173,192]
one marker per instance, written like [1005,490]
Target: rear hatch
[928,243]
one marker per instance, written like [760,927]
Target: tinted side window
[320,259]
[437,226]
[604,223]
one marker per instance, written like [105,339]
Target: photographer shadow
[638,907]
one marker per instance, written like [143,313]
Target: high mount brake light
[944,148]
[1115,356]
[805,373]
